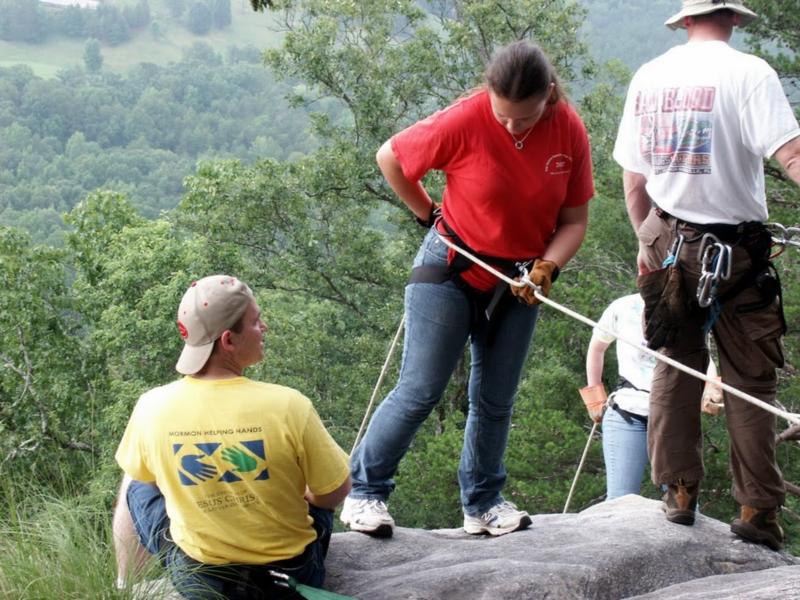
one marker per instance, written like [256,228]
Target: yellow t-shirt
[232,458]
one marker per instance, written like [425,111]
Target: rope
[379,382]
[580,467]
[792,418]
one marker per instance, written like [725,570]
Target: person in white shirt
[698,122]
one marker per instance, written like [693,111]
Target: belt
[628,416]
[730,233]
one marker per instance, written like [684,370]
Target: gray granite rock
[613,550]
[619,549]
[779,583]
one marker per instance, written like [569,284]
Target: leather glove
[436,211]
[712,398]
[543,274]
[594,397]
[665,307]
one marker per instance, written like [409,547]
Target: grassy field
[247,28]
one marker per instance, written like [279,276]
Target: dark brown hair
[521,70]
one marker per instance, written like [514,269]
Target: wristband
[434,214]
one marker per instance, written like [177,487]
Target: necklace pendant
[519,145]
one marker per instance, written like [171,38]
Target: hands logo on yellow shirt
[204,462]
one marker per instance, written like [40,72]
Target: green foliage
[774,35]
[43,412]
[21,20]
[92,57]
[221,13]
[630,31]
[139,134]
[199,18]
[54,547]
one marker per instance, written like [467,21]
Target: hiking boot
[500,519]
[759,527]
[367,515]
[680,502]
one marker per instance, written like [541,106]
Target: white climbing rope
[379,382]
[793,418]
[580,467]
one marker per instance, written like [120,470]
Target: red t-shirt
[501,201]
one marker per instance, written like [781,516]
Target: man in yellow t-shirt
[226,478]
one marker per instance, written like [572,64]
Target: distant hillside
[633,31]
[162,40]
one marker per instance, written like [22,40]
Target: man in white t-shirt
[697,123]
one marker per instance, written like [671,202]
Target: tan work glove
[712,398]
[543,274]
[594,397]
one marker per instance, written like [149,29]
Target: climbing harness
[715,264]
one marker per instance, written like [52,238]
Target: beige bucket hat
[703,7]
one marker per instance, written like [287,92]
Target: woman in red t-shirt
[518,179]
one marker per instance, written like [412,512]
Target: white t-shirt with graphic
[697,123]
[623,318]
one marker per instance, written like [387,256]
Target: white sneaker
[500,519]
[367,515]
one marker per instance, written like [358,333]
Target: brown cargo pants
[750,349]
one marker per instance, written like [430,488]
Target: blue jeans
[439,320]
[198,581]
[625,454]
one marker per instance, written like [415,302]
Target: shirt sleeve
[608,322]
[131,454]
[627,153]
[767,119]
[324,463]
[431,143]
[581,183]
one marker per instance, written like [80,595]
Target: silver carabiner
[715,266]
[674,252]
[705,294]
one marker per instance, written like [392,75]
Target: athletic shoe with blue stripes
[500,519]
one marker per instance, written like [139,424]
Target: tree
[199,19]
[176,7]
[73,21]
[221,10]
[92,57]
[44,411]
[21,21]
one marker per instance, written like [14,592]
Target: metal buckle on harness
[715,263]
[784,236]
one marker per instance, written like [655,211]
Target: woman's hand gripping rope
[538,281]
